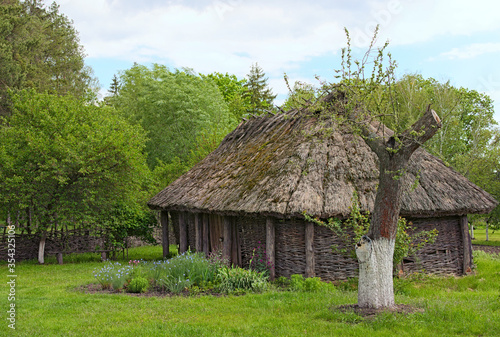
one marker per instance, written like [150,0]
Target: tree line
[66,157]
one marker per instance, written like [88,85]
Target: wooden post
[164,233]
[198,225]
[270,244]
[59,257]
[104,256]
[183,244]
[464,228]
[205,241]
[309,249]
[226,247]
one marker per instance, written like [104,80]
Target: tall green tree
[180,111]
[232,89]
[63,161]
[258,92]
[40,49]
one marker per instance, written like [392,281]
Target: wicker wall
[445,256]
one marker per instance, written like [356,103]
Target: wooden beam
[206,235]
[183,244]
[309,249]
[198,225]
[226,244]
[464,228]
[270,246]
[164,233]
[59,257]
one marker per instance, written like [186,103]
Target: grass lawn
[49,302]
[480,237]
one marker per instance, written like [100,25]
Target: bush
[297,282]
[234,280]
[310,284]
[138,285]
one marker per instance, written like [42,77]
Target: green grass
[480,237]
[49,302]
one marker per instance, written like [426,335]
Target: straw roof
[285,164]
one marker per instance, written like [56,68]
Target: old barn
[254,188]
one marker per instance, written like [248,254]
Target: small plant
[259,261]
[297,282]
[313,284]
[175,285]
[120,277]
[112,275]
[237,280]
[138,285]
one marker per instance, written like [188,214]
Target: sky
[449,40]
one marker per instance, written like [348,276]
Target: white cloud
[471,51]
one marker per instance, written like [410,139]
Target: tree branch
[421,131]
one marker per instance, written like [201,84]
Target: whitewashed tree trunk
[41,249]
[375,285]
[376,249]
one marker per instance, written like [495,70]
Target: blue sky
[456,40]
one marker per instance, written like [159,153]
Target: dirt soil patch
[97,289]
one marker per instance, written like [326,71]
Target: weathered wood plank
[164,231]
[270,246]
[183,244]
[198,223]
[309,237]
[226,247]
[206,235]
[464,229]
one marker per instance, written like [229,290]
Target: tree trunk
[487,238]
[375,288]
[375,250]
[41,248]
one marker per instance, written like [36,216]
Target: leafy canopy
[40,49]
[178,109]
[66,160]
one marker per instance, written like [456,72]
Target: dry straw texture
[284,164]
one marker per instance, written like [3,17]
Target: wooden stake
[464,228]
[309,249]
[183,244]
[226,247]
[198,223]
[270,244]
[206,235]
[164,231]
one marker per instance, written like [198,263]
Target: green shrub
[235,280]
[297,282]
[138,285]
[313,284]
[282,281]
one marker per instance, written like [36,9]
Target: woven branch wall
[445,256]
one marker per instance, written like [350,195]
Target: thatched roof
[284,164]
